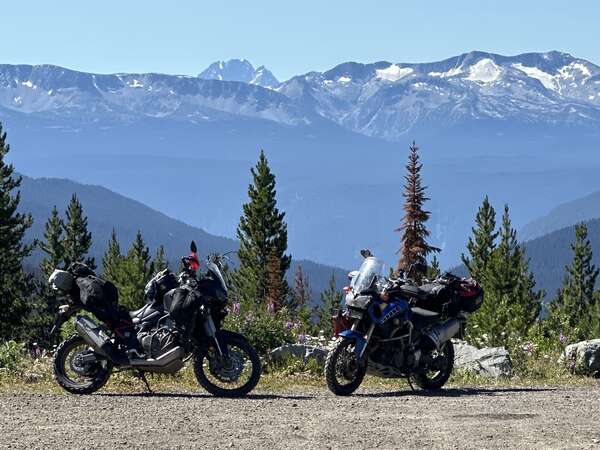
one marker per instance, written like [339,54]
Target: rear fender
[359,340]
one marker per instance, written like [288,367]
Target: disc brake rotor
[227,369]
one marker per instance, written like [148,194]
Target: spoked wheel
[234,375]
[343,371]
[438,367]
[77,369]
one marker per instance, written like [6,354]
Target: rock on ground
[488,362]
[299,351]
[583,357]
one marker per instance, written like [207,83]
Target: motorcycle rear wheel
[343,372]
[74,377]
[432,379]
[221,376]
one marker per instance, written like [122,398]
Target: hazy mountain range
[522,129]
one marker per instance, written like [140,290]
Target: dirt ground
[455,418]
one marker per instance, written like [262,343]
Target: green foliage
[15,284]
[433,269]
[331,299]
[160,260]
[574,311]
[78,239]
[262,233]
[133,271]
[264,329]
[511,304]
[53,245]
[482,244]
[11,355]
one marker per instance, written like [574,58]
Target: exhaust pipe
[91,334]
[443,332]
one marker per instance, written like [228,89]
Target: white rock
[488,362]
[583,357]
[299,351]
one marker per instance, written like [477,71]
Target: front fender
[359,340]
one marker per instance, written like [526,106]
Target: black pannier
[95,292]
[182,305]
[159,285]
[469,295]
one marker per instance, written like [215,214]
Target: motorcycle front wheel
[234,375]
[343,371]
[74,371]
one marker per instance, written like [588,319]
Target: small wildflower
[562,338]
[235,308]
[301,338]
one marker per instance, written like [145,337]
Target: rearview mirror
[193,247]
[366,253]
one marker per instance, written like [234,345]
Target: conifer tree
[331,299]
[160,260]
[77,238]
[52,244]
[482,244]
[415,248]
[15,284]
[574,308]
[262,233]
[44,311]
[112,261]
[301,292]
[136,271]
[511,303]
[433,270]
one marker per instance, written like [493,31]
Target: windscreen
[370,269]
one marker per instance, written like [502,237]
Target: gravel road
[553,417]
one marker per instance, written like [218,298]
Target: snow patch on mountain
[546,79]
[240,70]
[447,74]
[393,73]
[484,71]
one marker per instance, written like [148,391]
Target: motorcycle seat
[424,292]
[145,313]
[423,317]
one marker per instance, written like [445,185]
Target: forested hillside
[106,210]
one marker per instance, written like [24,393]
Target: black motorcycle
[394,328]
[183,318]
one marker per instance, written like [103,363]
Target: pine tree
[574,308]
[112,260]
[78,239]
[15,284]
[262,233]
[136,271]
[160,260]
[331,299]
[45,309]
[433,270]
[511,303]
[415,248]
[301,292]
[52,244]
[482,244]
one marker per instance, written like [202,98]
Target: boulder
[583,357]
[299,351]
[491,362]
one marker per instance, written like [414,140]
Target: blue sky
[288,37]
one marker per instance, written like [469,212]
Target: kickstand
[142,376]
[410,383]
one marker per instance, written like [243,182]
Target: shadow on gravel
[454,392]
[190,395]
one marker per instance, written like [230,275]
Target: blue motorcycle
[394,328]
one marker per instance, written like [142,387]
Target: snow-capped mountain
[240,70]
[388,100]
[56,91]
[384,100]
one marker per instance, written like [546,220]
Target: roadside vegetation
[534,326]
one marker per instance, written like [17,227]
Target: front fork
[210,330]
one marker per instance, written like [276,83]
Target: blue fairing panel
[358,338]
